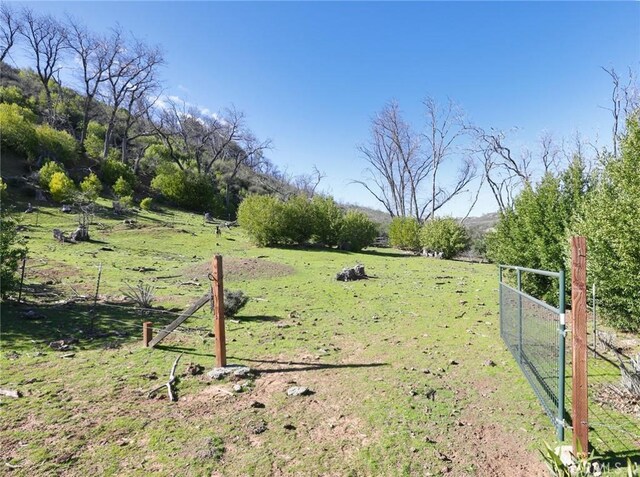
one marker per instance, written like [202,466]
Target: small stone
[258,427]
[237,388]
[490,363]
[237,370]
[299,391]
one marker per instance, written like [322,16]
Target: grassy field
[408,371]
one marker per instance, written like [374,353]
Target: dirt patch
[493,449]
[242,269]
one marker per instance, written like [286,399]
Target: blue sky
[311,75]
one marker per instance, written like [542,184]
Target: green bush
[357,231]
[46,173]
[3,190]
[91,186]
[18,131]
[94,140]
[404,233]
[188,189]
[12,250]
[611,223]
[113,169]
[444,235]
[533,233]
[122,188]
[327,220]
[58,145]
[297,220]
[262,217]
[61,187]
[13,95]
[146,203]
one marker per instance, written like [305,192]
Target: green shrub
[146,203]
[611,223]
[13,95]
[262,217]
[357,231]
[113,169]
[122,188]
[327,220]
[91,186]
[12,250]
[3,190]
[61,187]
[47,171]
[18,131]
[126,201]
[533,233]
[444,236]
[94,140]
[404,233]
[188,189]
[58,145]
[297,220]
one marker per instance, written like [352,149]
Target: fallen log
[169,383]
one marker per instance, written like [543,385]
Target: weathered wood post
[147,332]
[218,311]
[580,401]
[24,263]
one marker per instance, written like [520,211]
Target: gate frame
[559,421]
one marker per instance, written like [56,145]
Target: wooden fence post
[218,311]
[580,401]
[147,332]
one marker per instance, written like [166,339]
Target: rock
[490,363]
[431,394]
[238,388]
[258,427]
[66,209]
[299,391]
[194,369]
[233,369]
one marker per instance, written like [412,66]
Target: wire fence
[533,331]
[100,302]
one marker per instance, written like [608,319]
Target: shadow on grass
[183,349]
[293,366]
[258,318]
[35,325]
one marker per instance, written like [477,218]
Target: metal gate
[534,332]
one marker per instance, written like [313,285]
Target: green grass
[363,347]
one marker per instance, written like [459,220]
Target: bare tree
[308,183]
[395,170]
[504,172]
[549,153]
[445,128]
[47,41]
[10,26]
[400,165]
[96,56]
[133,67]
[625,99]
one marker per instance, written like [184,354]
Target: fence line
[534,332]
